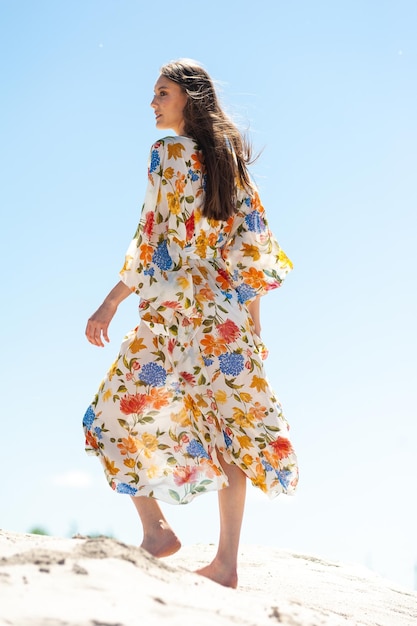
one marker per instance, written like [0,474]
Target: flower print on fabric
[161,256]
[284,477]
[155,161]
[134,403]
[189,382]
[244,293]
[229,331]
[125,488]
[231,363]
[193,175]
[255,222]
[227,440]
[153,374]
[89,417]
[149,222]
[195,448]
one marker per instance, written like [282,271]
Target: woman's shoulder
[175,145]
[173,152]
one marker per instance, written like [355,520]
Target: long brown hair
[226,152]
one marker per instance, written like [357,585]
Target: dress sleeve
[154,267]
[254,258]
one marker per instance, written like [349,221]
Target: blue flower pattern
[231,363]
[126,488]
[89,417]
[244,293]
[196,449]
[153,374]
[155,161]
[254,222]
[161,256]
[284,477]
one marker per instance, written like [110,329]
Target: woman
[186,407]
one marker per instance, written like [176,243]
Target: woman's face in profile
[168,103]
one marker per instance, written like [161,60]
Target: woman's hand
[98,324]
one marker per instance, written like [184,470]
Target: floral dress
[189,381]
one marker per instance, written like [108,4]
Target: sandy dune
[48,581]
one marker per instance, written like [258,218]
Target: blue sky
[328,92]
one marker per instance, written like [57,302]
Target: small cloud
[100,45]
[75,479]
[400,52]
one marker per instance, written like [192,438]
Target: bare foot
[162,541]
[220,574]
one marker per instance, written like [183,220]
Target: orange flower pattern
[189,380]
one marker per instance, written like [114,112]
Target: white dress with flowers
[189,380]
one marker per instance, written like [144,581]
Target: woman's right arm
[98,323]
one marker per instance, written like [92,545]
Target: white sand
[47,581]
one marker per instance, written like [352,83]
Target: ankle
[160,541]
[227,562]
[223,573]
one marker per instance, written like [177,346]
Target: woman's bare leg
[158,537]
[223,568]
